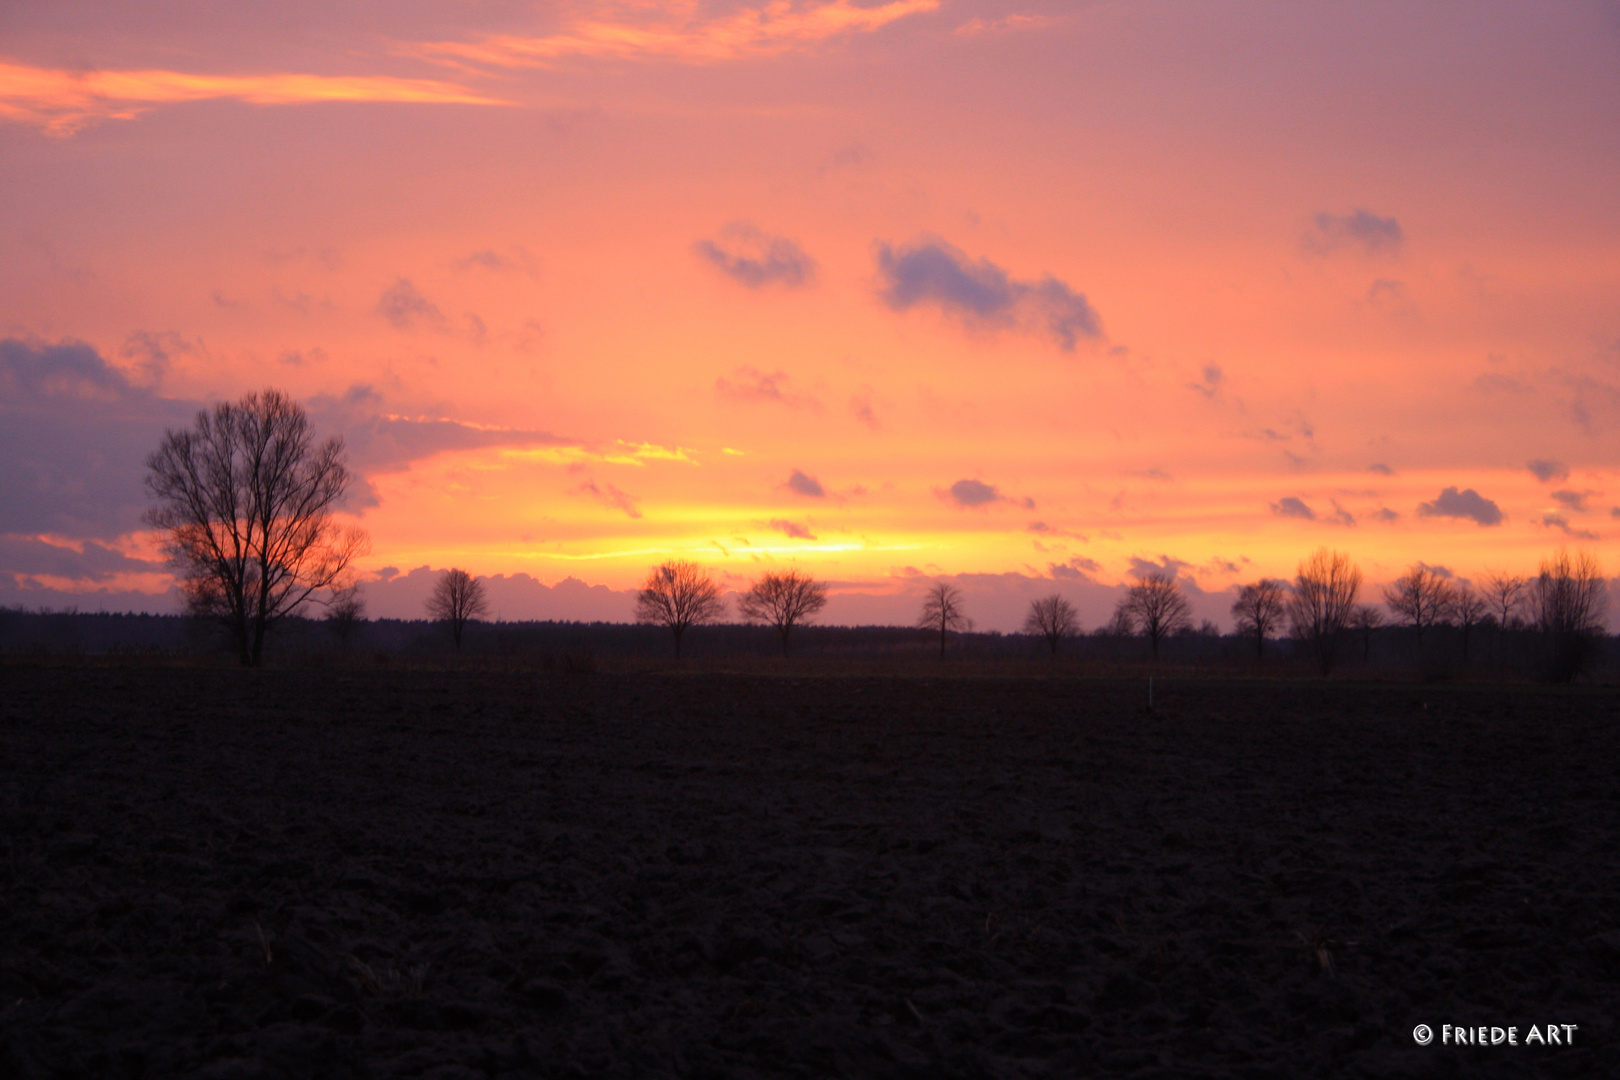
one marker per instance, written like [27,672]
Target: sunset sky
[1025,295]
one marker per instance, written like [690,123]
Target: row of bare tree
[680,594]
[1564,603]
[246,501]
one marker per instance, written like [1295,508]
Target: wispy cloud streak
[680,34]
[62,102]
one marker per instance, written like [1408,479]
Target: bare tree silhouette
[679,594]
[1155,603]
[1569,602]
[1505,592]
[457,598]
[1469,609]
[942,611]
[345,614]
[1119,624]
[1365,619]
[1259,610]
[1420,598]
[1053,618]
[1325,591]
[247,500]
[783,601]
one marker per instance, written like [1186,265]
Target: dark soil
[234,874]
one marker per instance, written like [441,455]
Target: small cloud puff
[983,294]
[973,493]
[1466,503]
[793,529]
[1076,568]
[1141,568]
[404,307]
[970,494]
[1290,507]
[860,406]
[804,484]
[749,384]
[611,496]
[1381,469]
[1559,522]
[748,256]
[1386,292]
[1340,515]
[1211,384]
[1548,471]
[516,261]
[1573,500]
[1360,228]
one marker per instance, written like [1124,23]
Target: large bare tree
[457,599]
[1420,598]
[942,610]
[679,594]
[1156,604]
[784,601]
[1053,618]
[1325,589]
[1568,599]
[1259,610]
[247,500]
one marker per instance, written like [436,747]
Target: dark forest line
[1437,653]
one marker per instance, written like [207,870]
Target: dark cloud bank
[78,430]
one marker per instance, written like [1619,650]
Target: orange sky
[1032,294]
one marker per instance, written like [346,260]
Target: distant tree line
[246,501]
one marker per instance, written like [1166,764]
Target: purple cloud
[983,294]
[1548,471]
[755,259]
[792,528]
[751,385]
[1466,503]
[1360,228]
[804,484]
[405,308]
[1291,507]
